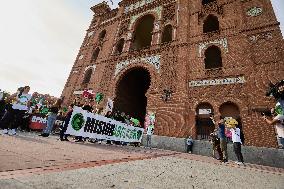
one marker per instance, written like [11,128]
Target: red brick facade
[251,48]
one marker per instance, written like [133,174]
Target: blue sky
[39,41]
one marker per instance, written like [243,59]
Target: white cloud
[39,41]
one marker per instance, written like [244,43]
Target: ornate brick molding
[219,42]
[254,11]
[157,10]
[152,60]
[137,5]
[91,66]
[256,37]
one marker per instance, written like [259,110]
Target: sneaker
[12,132]
[239,163]
[225,161]
[5,131]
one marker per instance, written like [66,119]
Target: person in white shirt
[237,143]
[15,115]
[150,131]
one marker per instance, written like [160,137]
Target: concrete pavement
[29,161]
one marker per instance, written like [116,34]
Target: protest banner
[86,124]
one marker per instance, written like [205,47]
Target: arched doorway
[130,93]
[204,125]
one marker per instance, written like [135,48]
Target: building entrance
[130,93]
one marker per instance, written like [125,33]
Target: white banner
[85,124]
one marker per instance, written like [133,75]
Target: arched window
[96,54]
[211,24]
[229,109]
[167,34]
[204,2]
[213,57]
[143,33]
[119,46]
[87,76]
[102,35]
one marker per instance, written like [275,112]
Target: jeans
[13,117]
[281,142]
[50,122]
[238,151]
[223,146]
[149,141]
[189,148]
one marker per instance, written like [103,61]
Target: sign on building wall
[204,111]
[224,81]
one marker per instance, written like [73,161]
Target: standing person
[15,114]
[2,104]
[52,114]
[222,138]
[63,136]
[237,143]
[150,132]
[216,145]
[109,115]
[89,108]
[278,122]
[189,143]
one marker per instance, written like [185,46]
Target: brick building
[184,59]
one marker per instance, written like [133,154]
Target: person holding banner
[150,132]
[52,114]
[88,108]
[63,136]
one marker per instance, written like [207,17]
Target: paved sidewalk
[29,161]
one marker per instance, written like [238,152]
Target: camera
[266,113]
[273,90]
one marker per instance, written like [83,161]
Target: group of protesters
[16,110]
[19,105]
